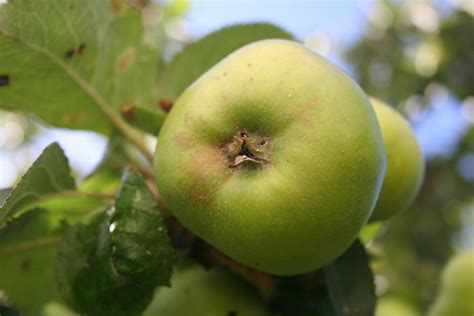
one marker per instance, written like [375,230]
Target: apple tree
[269,163]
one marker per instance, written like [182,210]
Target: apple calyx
[245,147]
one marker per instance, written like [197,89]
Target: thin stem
[97,195]
[65,194]
[28,245]
[145,171]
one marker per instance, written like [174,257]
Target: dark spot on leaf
[127,111]
[69,53]
[115,6]
[73,52]
[166,104]
[81,48]
[4,80]
[250,65]
[137,4]
[232,313]
[25,265]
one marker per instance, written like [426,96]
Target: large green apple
[457,287]
[195,291]
[405,162]
[274,156]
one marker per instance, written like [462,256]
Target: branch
[208,256]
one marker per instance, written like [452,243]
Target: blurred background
[416,55]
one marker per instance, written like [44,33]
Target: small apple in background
[274,156]
[214,292]
[54,308]
[456,296]
[405,162]
[394,306]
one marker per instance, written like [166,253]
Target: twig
[209,256]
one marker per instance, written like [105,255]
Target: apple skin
[457,287]
[318,164]
[405,163]
[195,291]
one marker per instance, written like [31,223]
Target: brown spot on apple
[204,168]
[183,140]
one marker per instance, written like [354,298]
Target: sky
[335,18]
[335,23]
[328,25]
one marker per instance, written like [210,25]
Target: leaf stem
[28,245]
[63,194]
[127,130]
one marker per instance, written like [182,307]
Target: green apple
[405,163]
[456,295]
[55,308]
[394,306]
[195,291]
[274,156]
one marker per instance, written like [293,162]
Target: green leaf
[200,56]
[27,253]
[350,283]
[7,311]
[112,265]
[4,193]
[49,174]
[105,181]
[28,248]
[75,63]
[147,119]
[343,288]
[304,295]
[370,231]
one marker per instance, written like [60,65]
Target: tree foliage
[101,245]
[398,61]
